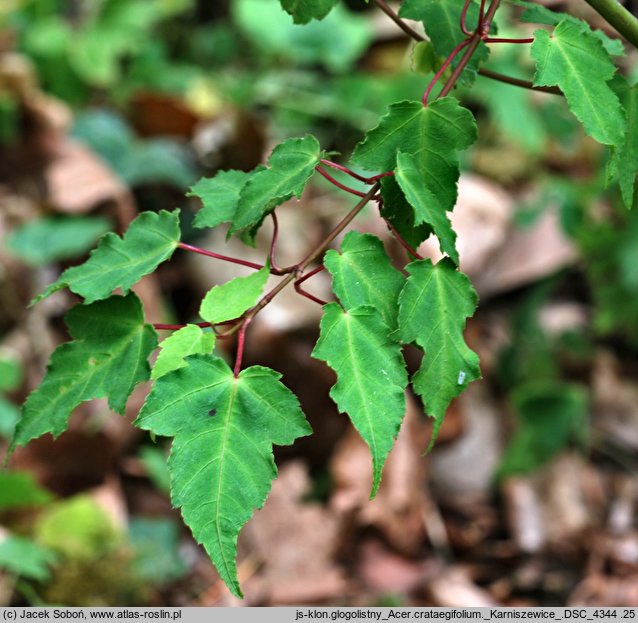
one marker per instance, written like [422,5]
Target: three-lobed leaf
[362,274]
[371,376]
[231,299]
[433,308]
[107,358]
[576,61]
[434,132]
[221,462]
[290,166]
[121,262]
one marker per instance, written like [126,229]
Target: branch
[486,73]
[303,264]
[619,17]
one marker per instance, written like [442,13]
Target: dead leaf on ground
[398,507]
[305,537]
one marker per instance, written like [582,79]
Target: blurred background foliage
[114,106]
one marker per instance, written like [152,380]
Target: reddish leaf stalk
[343,169]
[241,342]
[225,258]
[176,327]
[442,69]
[402,242]
[333,181]
[300,290]
[506,40]
[463,25]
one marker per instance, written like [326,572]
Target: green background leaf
[48,239]
[25,558]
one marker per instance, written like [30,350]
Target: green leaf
[434,132]
[233,298]
[433,308]
[303,11]
[429,197]
[48,239]
[25,558]
[107,358]
[156,543]
[10,373]
[624,162]
[9,415]
[121,262]
[290,166]
[576,61]
[221,462]
[362,274]
[20,490]
[400,214]
[335,42]
[154,461]
[539,14]
[371,376]
[442,22]
[220,196]
[79,528]
[551,414]
[190,340]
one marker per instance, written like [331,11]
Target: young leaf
[400,214]
[441,20]
[121,262]
[371,376]
[107,358]
[220,196]
[434,133]
[290,166]
[363,275]
[190,340]
[429,198]
[233,298]
[576,61]
[303,11]
[221,463]
[433,308]
[624,162]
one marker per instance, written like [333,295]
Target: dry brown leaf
[297,541]
[454,588]
[398,507]
[78,180]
